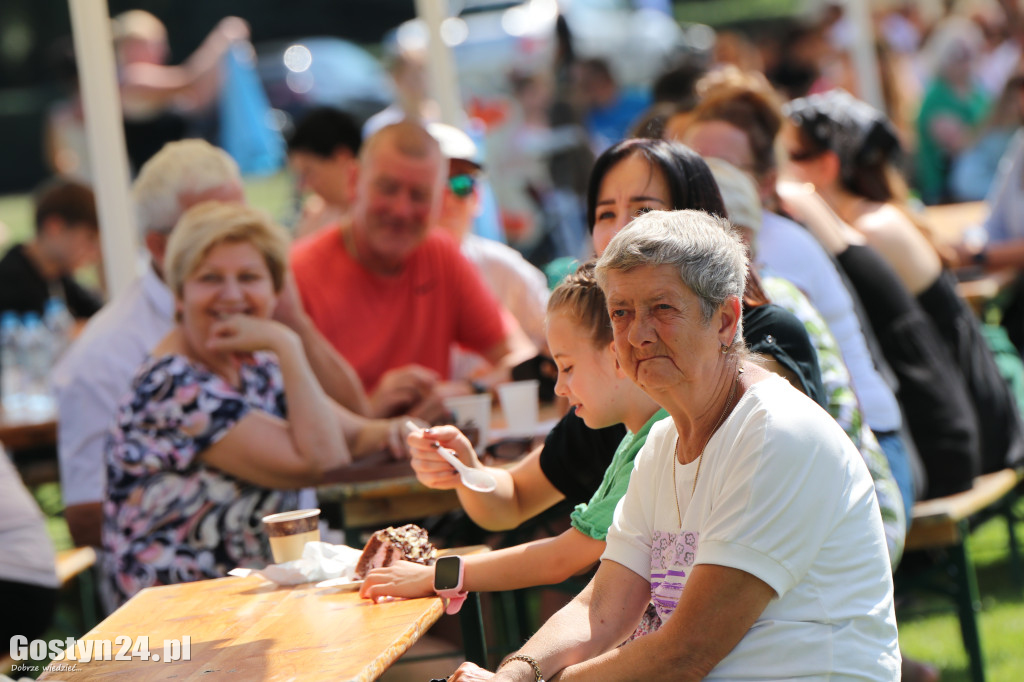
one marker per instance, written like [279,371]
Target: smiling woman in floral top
[206,443]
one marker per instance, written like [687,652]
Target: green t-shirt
[593,518]
[932,162]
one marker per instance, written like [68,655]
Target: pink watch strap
[455,600]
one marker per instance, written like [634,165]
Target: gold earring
[725,349]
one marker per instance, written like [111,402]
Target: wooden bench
[70,563]
[945,524]
[73,562]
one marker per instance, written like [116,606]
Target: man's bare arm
[335,375]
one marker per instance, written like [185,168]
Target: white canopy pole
[444,84]
[862,53]
[101,100]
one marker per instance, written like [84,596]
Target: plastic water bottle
[37,358]
[60,323]
[12,376]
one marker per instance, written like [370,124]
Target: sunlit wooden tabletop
[250,629]
[950,221]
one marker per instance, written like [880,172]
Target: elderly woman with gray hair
[750,520]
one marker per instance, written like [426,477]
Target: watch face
[446,572]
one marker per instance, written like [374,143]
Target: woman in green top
[580,338]
[953,108]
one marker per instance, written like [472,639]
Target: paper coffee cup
[472,414]
[290,531]
[520,401]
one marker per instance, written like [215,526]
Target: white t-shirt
[96,373]
[27,555]
[520,286]
[792,252]
[783,495]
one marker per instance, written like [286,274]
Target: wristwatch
[448,573]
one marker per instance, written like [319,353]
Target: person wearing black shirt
[67,238]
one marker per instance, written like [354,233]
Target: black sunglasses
[462,185]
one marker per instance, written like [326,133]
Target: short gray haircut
[183,167]
[705,249]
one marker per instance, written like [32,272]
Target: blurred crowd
[418,263]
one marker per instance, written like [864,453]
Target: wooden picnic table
[949,222]
[23,430]
[30,439]
[251,629]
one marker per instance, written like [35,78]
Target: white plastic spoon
[474,479]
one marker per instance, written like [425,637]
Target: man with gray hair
[97,370]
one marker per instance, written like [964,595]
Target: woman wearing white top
[750,519]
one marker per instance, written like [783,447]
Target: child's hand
[431,469]
[402,579]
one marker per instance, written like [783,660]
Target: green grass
[930,631]
[16,214]
[729,12]
[272,194]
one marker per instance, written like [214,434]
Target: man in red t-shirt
[392,295]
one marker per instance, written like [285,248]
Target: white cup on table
[520,401]
[289,532]
[472,414]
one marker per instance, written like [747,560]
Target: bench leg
[471,619]
[88,595]
[968,604]
[1016,570]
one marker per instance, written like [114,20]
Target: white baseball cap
[456,144]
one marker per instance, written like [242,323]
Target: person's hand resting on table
[408,390]
[401,579]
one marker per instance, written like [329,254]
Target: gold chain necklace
[700,457]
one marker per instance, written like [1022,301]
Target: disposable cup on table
[472,414]
[520,401]
[290,531]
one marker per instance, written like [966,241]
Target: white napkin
[320,561]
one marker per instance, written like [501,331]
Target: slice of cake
[385,547]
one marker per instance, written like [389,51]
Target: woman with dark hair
[689,183]
[636,176]
[641,175]
[846,149]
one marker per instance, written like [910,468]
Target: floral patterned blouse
[168,517]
